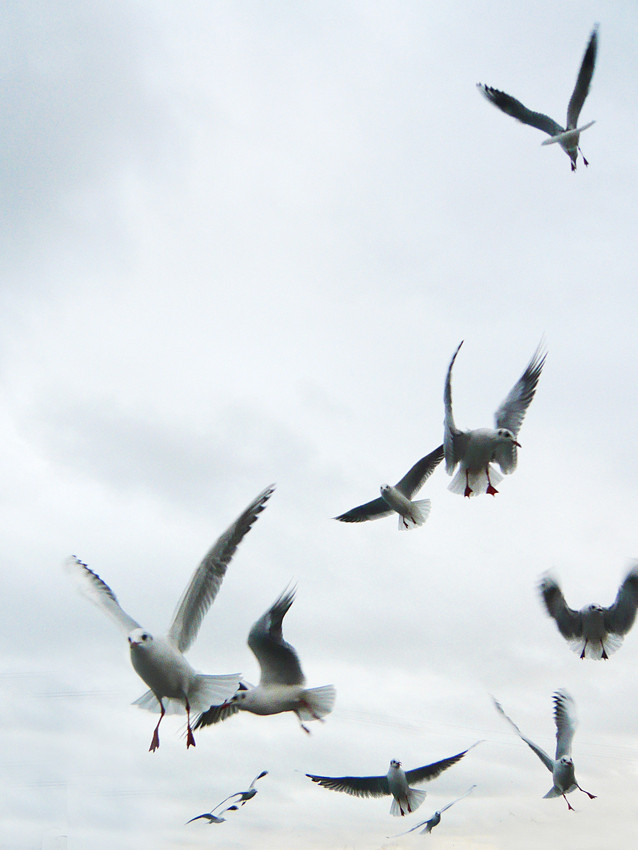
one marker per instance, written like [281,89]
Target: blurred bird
[567,137]
[475,450]
[594,631]
[159,661]
[281,686]
[398,499]
[396,782]
[562,767]
[435,820]
[242,799]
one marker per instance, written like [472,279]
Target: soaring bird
[567,137]
[159,661]
[396,782]
[561,767]
[594,631]
[435,820]
[281,686]
[238,798]
[398,499]
[475,451]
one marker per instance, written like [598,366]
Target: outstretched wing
[356,786]
[512,411]
[510,106]
[375,509]
[207,578]
[277,658]
[581,89]
[569,622]
[431,771]
[620,616]
[462,797]
[454,441]
[416,477]
[542,755]
[216,713]
[98,592]
[565,719]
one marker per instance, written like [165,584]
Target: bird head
[507,436]
[395,764]
[139,638]
[566,760]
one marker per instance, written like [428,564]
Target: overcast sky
[241,242]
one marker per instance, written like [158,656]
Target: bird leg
[468,489]
[569,805]
[591,796]
[584,160]
[190,738]
[604,656]
[491,491]
[582,654]
[155,739]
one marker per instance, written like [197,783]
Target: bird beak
[516,443]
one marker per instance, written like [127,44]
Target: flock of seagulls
[471,457]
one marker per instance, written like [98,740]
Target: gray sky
[241,243]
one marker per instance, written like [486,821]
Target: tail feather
[477,480]
[420,513]
[207,691]
[317,702]
[409,803]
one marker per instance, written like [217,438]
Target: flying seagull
[567,137]
[396,782]
[238,798]
[562,767]
[475,451]
[281,686]
[159,661]
[398,499]
[594,631]
[435,820]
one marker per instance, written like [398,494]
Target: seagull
[159,661]
[567,137]
[396,782]
[562,767]
[281,686]
[242,799]
[398,499]
[435,820]
[594,631]
[476,450]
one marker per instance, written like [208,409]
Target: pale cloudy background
[240,244]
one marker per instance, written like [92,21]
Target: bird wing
[215,714]
[581,89]
[277,658]
[259,776]
[510,106]
[98,592]
[356,786]
[375,509]
[416,477]
[207,578]
[426,823]
[445,808]
[569,622]
[431,771]
[454,441]
[565,719]
[542,755]
[620,616]
[512,411]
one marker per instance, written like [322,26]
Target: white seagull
[159,661]
[567,137]
[435,820]
[594,631]
[476,450]
[562,767]
[396,782]
[398,499]
[238,798]
[281,686]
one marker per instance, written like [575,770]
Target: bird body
[159,661]
[567,137]
[426,826]
[475,451]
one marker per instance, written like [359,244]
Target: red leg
[491,491]
[468,489]
[569,806]
[190,738]
[155,739]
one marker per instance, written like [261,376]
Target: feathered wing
[207,578]
[431,771]
[454,441]
[565,719]
[542,755]
[99,593]
[356,786]
[620,616]
[512,411]
[581,89]
[215,714]
[416,477]
[462,797]
[278,660]
[375,509]
[510,106]
[569,622]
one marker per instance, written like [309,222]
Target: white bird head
[140,638]
[506,436]
[566,760]
[395,764]
[384,488]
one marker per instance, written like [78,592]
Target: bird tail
[317,702]
[553,792]
[594,649]
[477,480]
[420,512]
[409,803]
[207,690]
